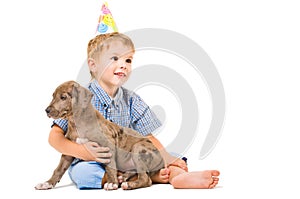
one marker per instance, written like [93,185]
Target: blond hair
[96,44]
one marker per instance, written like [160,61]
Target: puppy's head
[68,97]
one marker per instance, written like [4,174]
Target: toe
[165,171]
[215,172]
[214,182]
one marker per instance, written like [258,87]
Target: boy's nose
[123,67]
[123,64]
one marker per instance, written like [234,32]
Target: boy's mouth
[120,74]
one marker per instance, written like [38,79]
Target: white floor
[66,188]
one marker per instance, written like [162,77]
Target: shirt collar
[100,93]
[118,97]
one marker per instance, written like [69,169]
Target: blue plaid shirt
[127,109]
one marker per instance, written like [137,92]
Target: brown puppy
[132,153]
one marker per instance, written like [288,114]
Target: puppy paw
[120,179]
[81,140]
[124,186]
[110,186]
[43,186]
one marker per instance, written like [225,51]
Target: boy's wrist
[82,152]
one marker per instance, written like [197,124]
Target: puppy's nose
[48,109]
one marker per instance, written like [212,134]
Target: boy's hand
[96,153]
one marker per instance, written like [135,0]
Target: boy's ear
[92,64]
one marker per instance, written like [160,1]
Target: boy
[109,59]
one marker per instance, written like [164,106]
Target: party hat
[106,22]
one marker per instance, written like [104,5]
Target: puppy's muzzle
[48,111]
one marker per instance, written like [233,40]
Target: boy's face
[113,66]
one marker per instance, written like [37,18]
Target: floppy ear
[81,97]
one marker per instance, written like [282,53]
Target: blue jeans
[86,175]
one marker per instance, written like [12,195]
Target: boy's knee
[87,175]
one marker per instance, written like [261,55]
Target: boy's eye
[115,58]
[128,61]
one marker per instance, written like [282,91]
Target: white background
[254,44]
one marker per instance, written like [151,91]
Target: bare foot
[207,179]
[162,176]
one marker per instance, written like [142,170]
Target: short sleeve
[143,118]
[62,123]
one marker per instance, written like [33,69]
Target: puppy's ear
[75,84]
[81,97]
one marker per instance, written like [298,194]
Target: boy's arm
[89,151]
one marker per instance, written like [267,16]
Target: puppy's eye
[115,58]
[63,97]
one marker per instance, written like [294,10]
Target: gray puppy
[132,154]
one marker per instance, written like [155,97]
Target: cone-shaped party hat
[106,22]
